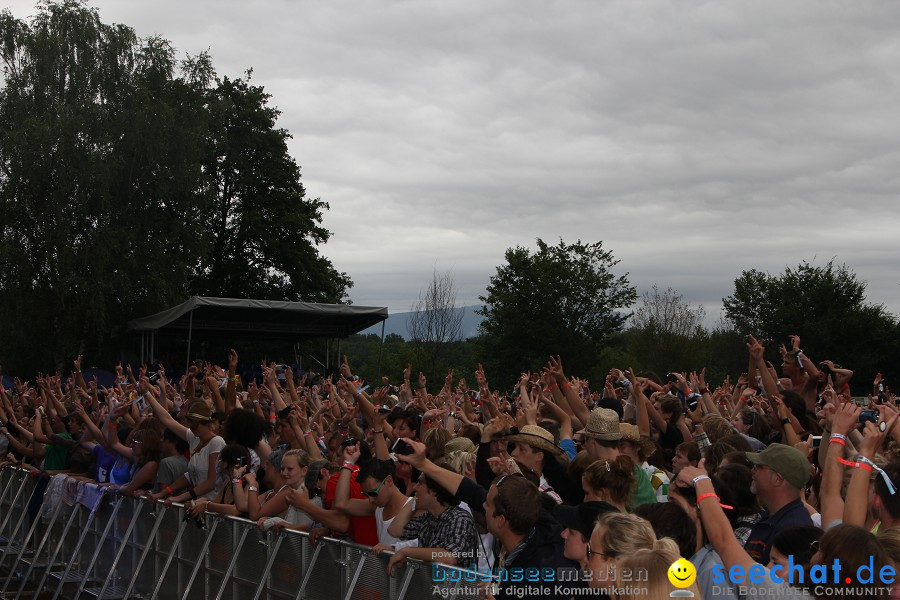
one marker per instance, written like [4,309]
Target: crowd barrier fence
[85,542]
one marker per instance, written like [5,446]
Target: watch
[785,421]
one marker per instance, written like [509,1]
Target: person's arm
[856,507]
[446,478]
[231,386]
[786,420]
[37,430]
[564,388]
[19,446]
[160,411]
[271,382]
[401,519]
[204,505]
[112,442]
[840,377]
[756,350]
[213,384]
[332,519]
[342,500]
[831,502]
[715,523]
[96,433]
[146,474]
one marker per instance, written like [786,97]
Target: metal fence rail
[107,546]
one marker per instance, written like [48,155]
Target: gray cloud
[696,139]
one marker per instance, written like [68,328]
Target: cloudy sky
[696,139]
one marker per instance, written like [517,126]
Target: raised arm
[342,500]
[578,409]
[231,385]
[160,411]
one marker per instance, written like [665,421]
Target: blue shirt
[759,544]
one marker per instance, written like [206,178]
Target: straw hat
[463,444]
[633,434]
[603,425]
[199,411]
[536,437]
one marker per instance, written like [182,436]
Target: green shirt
[57,456]
[643,490]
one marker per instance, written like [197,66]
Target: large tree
[826,305]
[562,299]
[263,231]
[109,195]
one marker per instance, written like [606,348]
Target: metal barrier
[107,546]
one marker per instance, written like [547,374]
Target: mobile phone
[692,405]
[241,461]
[868,415]
[349,442]
[672,377]
[401,447]
[384,410]
[816,441]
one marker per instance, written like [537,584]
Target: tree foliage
[130,180]
[826,306]
[561,299]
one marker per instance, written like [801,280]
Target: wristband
[349,464]
[698,479]
[565,385]
[168,490]
[704,390]
[785,421]
[305,433]
[855,464]
[838,440]
[377,431]
[712,495]
[252,488]
[550,389]
[838,436]
[236,480]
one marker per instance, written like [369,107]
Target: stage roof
[266,318]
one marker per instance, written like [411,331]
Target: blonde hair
[303,459]
[626,533]
[655,563]
[434,440]
[890,540]
[459,460]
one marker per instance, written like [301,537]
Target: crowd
[601,489]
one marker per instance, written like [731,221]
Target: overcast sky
[696,139]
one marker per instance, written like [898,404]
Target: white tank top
[383,536]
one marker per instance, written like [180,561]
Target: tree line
[130,180]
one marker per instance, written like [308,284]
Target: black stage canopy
[260,319]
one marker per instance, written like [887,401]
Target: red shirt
[362,529]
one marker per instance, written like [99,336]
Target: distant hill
[396,323]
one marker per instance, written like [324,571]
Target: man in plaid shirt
[444,533]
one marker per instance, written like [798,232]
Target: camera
[401,447]
[384,410]
[868,415]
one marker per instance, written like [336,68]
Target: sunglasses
[374,493]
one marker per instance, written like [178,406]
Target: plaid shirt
[453,530]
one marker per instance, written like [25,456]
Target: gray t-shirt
[170,469]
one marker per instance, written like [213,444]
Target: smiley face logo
[682,573]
